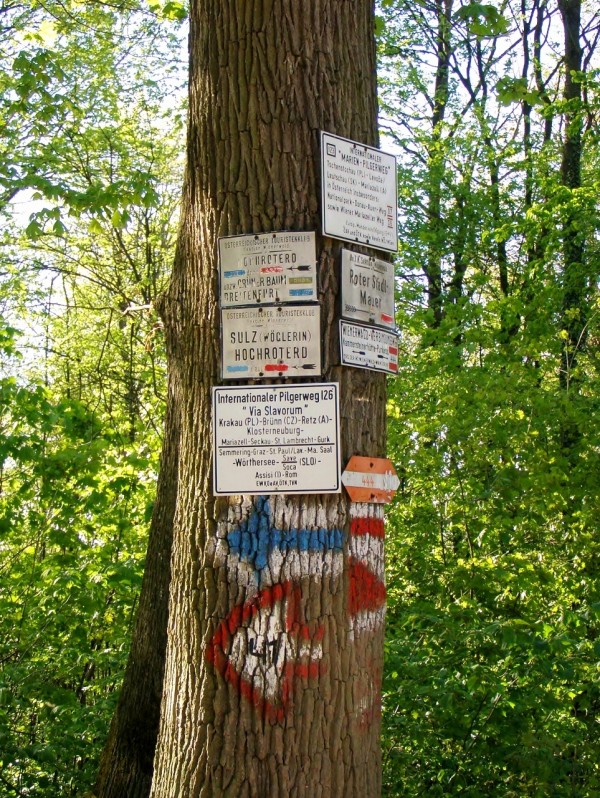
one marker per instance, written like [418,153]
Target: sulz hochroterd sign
[359,193]
[271,341]
[276,439]
[269,268]
[367,289]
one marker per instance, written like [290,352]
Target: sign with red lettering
[366,347]
[370,479]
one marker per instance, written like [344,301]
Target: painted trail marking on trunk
[266,548]
[263,646]
[367,594]
[366,607]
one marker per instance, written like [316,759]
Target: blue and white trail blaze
[257,546]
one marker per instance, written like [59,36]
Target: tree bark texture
[275,640]
[126,764]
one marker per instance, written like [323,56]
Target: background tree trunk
[265,78]
[575,279]
[126,763]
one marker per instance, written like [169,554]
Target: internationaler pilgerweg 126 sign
[276,439]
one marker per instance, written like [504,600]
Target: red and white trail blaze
[266,643]
[263,647]
[367,594]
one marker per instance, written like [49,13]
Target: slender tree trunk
[274,653]
[126,762]
[575,282]
[436,165]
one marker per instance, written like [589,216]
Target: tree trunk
[126,763]
[436,165]
[274,653]
[575,281]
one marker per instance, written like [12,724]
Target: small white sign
[359,193]
[270,341]
[276,439]
[267,269]
[368,347]
[367,289]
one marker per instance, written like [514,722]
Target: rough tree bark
[265,77]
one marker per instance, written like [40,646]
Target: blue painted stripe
[235,273]
[237,368]
[301,292]
[255,538]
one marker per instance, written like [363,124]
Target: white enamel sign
[267,269]
[359,196]
[368,347]
[276,439]
[269,341]
[367,289]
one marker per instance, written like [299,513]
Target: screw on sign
[370,479]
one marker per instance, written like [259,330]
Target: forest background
[492,677]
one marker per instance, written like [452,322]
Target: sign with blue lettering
[276,439]
[359,193]
[267,269]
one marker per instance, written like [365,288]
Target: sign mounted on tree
[367,289]
[370,479]
[367,347]
[270,268]
[276,439]
[271,341]
[359,193]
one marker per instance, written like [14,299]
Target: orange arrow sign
[370,479]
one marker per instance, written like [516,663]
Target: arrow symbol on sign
[302,268]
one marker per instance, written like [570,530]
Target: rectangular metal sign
[267,269]
[359,193]
[367,289]
[271,341]
[368,347]
[276,439]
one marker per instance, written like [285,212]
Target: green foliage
[493,630]
[492,654]
[73,507]
[483,20]
[91,140]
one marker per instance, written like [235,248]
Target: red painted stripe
[276,367]
[367,592]
[367,526]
